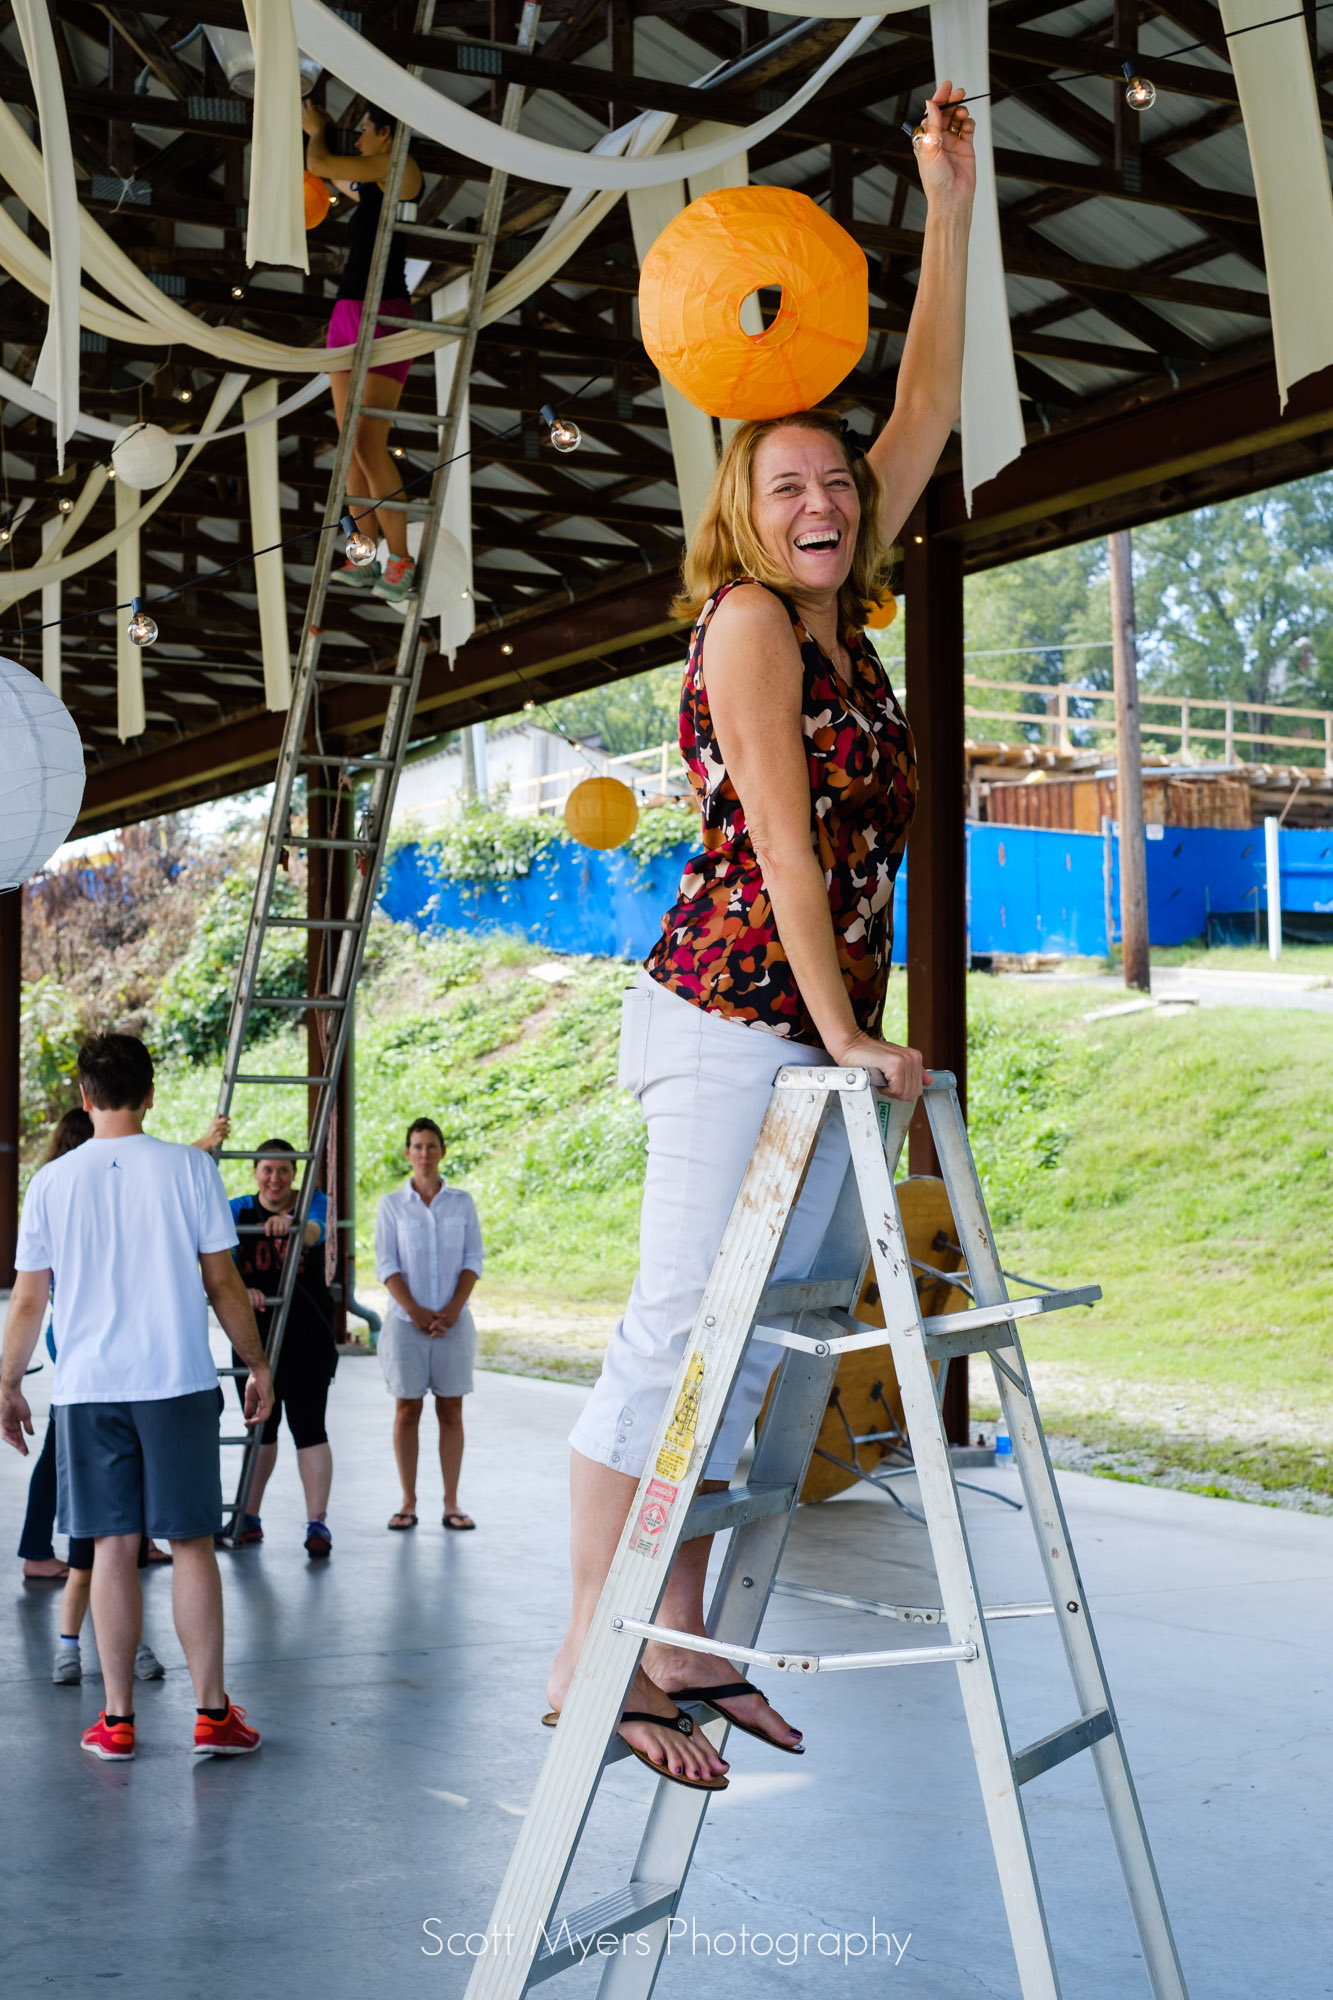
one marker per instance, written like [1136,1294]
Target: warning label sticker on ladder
[678,1444]
[653,1517]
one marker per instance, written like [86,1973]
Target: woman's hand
[278,1225]
[945,157]
[258,1300]
[313,120]
[219,1130]
[901,1072]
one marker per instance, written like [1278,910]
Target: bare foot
[671,1668]
[50,1567]
[684,1756]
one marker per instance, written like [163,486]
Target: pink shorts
[345,325]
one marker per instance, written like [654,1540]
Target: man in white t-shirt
[136,1236]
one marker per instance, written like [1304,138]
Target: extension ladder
[342,938]
[864,1248]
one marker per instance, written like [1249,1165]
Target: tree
[636,712]
[1235,602]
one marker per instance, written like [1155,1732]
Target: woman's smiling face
[805,507]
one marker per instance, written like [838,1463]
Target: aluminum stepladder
[303,748]
[866,1232]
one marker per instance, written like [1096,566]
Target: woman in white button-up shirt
[428,1254]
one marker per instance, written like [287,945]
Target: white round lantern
[41,773]
[236,52]
[144,455]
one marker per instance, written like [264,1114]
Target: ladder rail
[1060,1566]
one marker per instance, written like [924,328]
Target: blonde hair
[725,546]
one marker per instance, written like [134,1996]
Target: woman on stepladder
[373,474]
[777,949]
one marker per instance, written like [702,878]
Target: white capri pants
[704,1083]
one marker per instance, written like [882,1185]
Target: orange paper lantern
[316,200]
[704,266]
[601,812]
[883,614]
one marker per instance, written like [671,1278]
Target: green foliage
[481,842]
[633,712]
[194,1000]
[661,830]
[1020,1094]
[50,1032]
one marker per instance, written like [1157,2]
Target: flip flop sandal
[551,1717]
[731,1691]
[684,1726]
[461,1522]
[402,1520]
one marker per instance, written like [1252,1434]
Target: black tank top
[309,1340]
[361,248]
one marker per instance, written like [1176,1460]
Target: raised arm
[753,671]
[930,374]
[318,159]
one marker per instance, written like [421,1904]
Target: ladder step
[361,680]
[952,1333]
[812,1297]
[1051,1750]
[235,1371]
[314,924]
[244,1438]
[794,1662]
[300,1001]
[571,1939]
[348,763]
[307,1082]
[908,1614]
[714,1512]
[346,846]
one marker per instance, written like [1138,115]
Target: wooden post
[1129,768]
[11,976]
[937,848]
[330,815]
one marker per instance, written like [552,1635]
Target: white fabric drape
[130,718]
[261,468]
[453,554]
[992,424]
[363,68]
[28,398]
[1276,87]
[16,583]
[58,363]
[275,225]
[51,651]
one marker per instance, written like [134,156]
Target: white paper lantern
[236,52]
[41,773]
[144,455]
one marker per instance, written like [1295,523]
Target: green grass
[1313,961]
[1183,1163]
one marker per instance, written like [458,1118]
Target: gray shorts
[416,1365]
[142,1468]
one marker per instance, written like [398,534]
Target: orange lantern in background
[704,266]
[883,614]
[601,812]
[316,200]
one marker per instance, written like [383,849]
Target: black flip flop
[731,1691]
[458,1521]
[402,1520]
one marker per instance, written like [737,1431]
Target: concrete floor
[399,1686]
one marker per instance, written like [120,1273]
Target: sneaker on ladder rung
[398,581]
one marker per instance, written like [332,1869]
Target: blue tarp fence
[1030,889]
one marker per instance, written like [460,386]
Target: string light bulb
[395,451]
[66,505]
[505,646]
[141,630]
[184,395]
[359,549]
[6,534]
[565,435]
[238,291]
[1140,95]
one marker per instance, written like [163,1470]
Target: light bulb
[529,704]
[333,201]
[185,395]
[565,435]
[111,472]
[67,505]
[359,549]
[5,534]
[238,291]
[506,647]
[141,630]
[1141,95]
[395,451]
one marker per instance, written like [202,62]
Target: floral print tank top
[719,946]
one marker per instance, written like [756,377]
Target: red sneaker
[232,1737]
[113,1742]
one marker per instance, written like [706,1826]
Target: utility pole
[1129,768]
